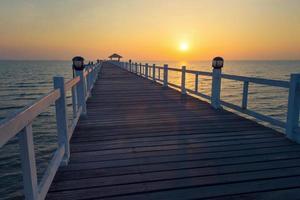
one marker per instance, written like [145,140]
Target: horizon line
[87,60]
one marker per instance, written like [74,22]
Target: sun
[184,46]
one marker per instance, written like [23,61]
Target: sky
[150,29]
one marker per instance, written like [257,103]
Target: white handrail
[21,123]
[71,83]
[263,81]
[14,124]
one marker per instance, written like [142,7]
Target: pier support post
[153,73]
[292,128]
[183,90]
[61,118]
[165,85]
[217,65]
[146,70]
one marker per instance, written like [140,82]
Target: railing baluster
[183,90]
[158,73]
[293,108]
[196,82]
[87,79]
[74,101]
[245,95]
[91,81]
[81,91]
[28,163]
[140,69]
[165,75]
[153,72]
[146,70]
[61,118]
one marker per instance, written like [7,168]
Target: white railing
[160,74]
[20,124]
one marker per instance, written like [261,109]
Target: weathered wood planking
[142,141]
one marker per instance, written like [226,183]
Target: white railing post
[141,69]
[136,68]
[81,91]
[28,163]
[61,118]
[293,109]
[74,101]
[183,90]
[196,82]
[133,65]
[165,76]
[159,73]
[88,81]
[245,95]
[216,82]
[130,67]
[146,70]
[153,72]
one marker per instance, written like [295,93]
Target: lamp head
[78,63]
[218,63]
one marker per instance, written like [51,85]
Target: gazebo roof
[115,56]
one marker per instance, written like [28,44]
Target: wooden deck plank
[141,141]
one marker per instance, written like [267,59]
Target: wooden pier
[140,140]
[135,135]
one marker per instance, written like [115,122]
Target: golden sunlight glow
[49,29]
[184,46]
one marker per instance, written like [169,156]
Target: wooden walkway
[140,141]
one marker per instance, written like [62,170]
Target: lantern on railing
[218,63]
[78,63]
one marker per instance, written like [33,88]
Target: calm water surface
[22,82]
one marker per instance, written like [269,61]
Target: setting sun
[184,46]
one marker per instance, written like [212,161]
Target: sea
[23,82]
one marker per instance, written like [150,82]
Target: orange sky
[150,29]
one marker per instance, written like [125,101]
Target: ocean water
[22,82]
